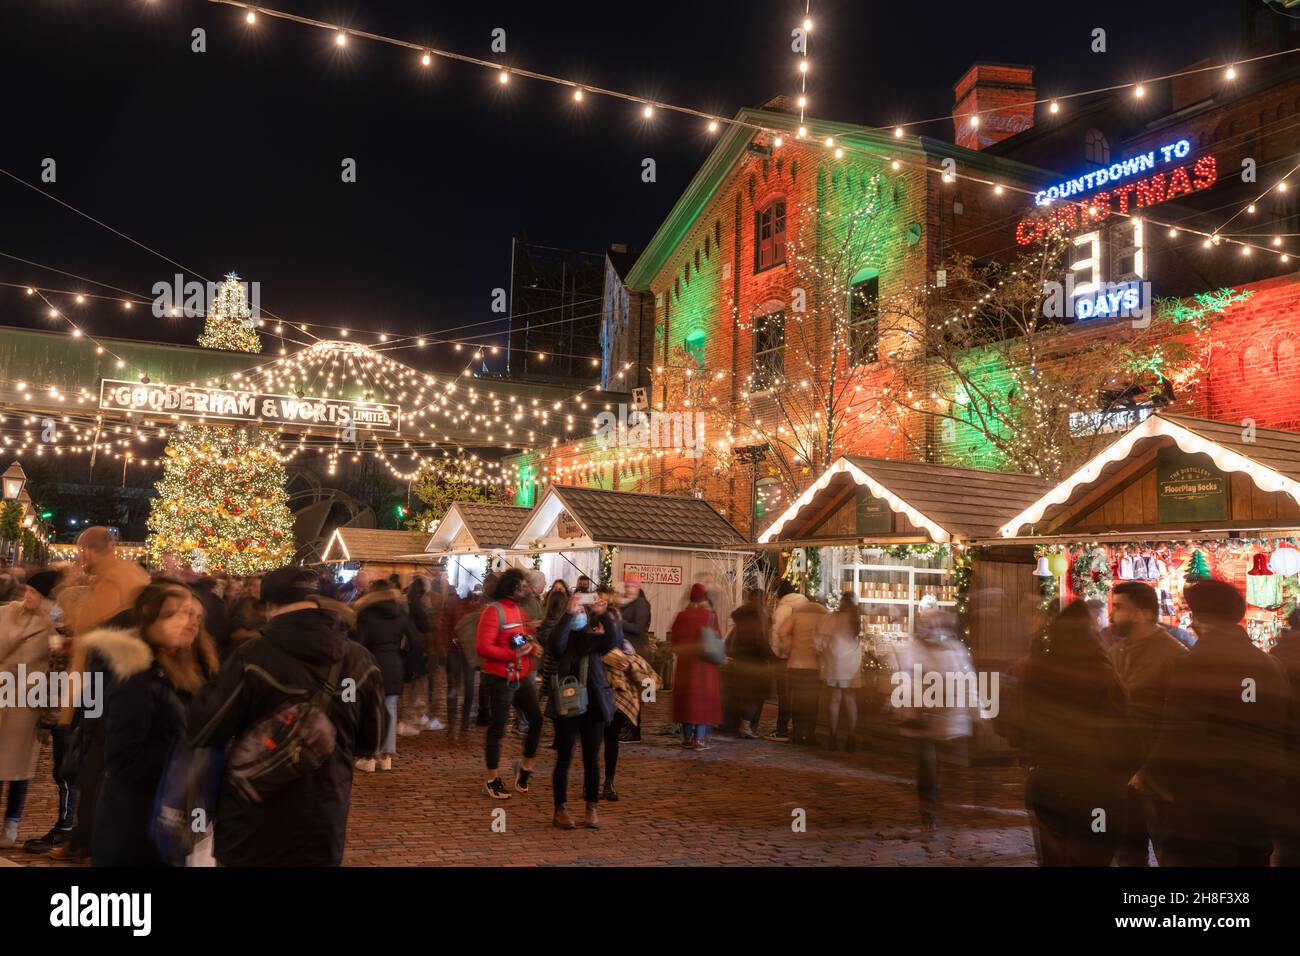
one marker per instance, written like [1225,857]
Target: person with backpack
[384,629]
[581,703]
[509,651]
[303,668]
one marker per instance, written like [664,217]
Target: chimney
[1002,95]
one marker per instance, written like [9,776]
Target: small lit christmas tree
[222,504]
[1197,568]
[229,323]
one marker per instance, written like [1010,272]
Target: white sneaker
[435,724]
[366,765]
[10,836]
[386,762]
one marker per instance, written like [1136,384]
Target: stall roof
[1270,457]
[492,527]
[948,503]
[373,544]
[625,517]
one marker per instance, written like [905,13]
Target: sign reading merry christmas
[192,401]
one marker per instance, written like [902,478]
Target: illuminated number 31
[1092,278]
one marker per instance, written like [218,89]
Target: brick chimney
[1001,94]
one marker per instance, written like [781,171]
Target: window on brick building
[769,235]
[1096,147]
[769,349]
[864,316]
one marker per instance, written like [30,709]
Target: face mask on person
[580,621]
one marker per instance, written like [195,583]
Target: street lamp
[14,478]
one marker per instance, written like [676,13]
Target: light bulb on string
[341,38]
[251,17]
[426,60]
[577,95]
[1054,107]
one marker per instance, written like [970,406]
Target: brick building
[777,241]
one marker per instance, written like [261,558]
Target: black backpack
[293,741]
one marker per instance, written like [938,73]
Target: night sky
[230,159]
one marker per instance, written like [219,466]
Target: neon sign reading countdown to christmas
[1086,183]
[1158,188]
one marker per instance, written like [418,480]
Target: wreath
[1090,574]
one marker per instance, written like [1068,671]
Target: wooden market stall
[472,536]
[1172,499]
[897,532]
[380,553]
[671,542]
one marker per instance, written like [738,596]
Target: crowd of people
[265,694]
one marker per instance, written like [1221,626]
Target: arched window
[1096,147]
[769,235]
[769,347]
[864,314]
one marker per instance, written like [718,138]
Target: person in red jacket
[509,651]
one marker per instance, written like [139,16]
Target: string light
[341,38]
[251,17]
[426,60]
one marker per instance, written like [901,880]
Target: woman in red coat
[697,688]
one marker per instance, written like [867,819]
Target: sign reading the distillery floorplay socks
[1189,487]
[874,516]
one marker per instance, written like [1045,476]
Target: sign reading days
[874,516]
[191,401]
[655,573]
[1189,488]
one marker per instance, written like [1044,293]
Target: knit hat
[289,586]
[699,593]
[1216,599]
[45,582]
[632,578]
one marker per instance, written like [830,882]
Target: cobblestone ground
[732,805]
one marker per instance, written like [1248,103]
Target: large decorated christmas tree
[229,324]
[221,502]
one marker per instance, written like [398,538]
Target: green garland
[607,555]
[904,551]
[1090,562]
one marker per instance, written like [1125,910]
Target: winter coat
[384,629]
[114,586]
[305,824]
[840,650]
[797,636]
[493,644]
[24,640]
[1145,664]
[946,721]
[1220,750]
[568,647]
[751,654]
[780,614]
[636,623]
[1070,718]
[697,686]
[144,719]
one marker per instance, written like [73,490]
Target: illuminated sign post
[1132,184]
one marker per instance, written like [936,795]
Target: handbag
[186,801]
[570,694]
[712,647]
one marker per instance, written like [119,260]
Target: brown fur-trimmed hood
[124,651]
[379,597]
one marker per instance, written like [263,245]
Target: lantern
[1043,570]
[1059,564]
[1284,561]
